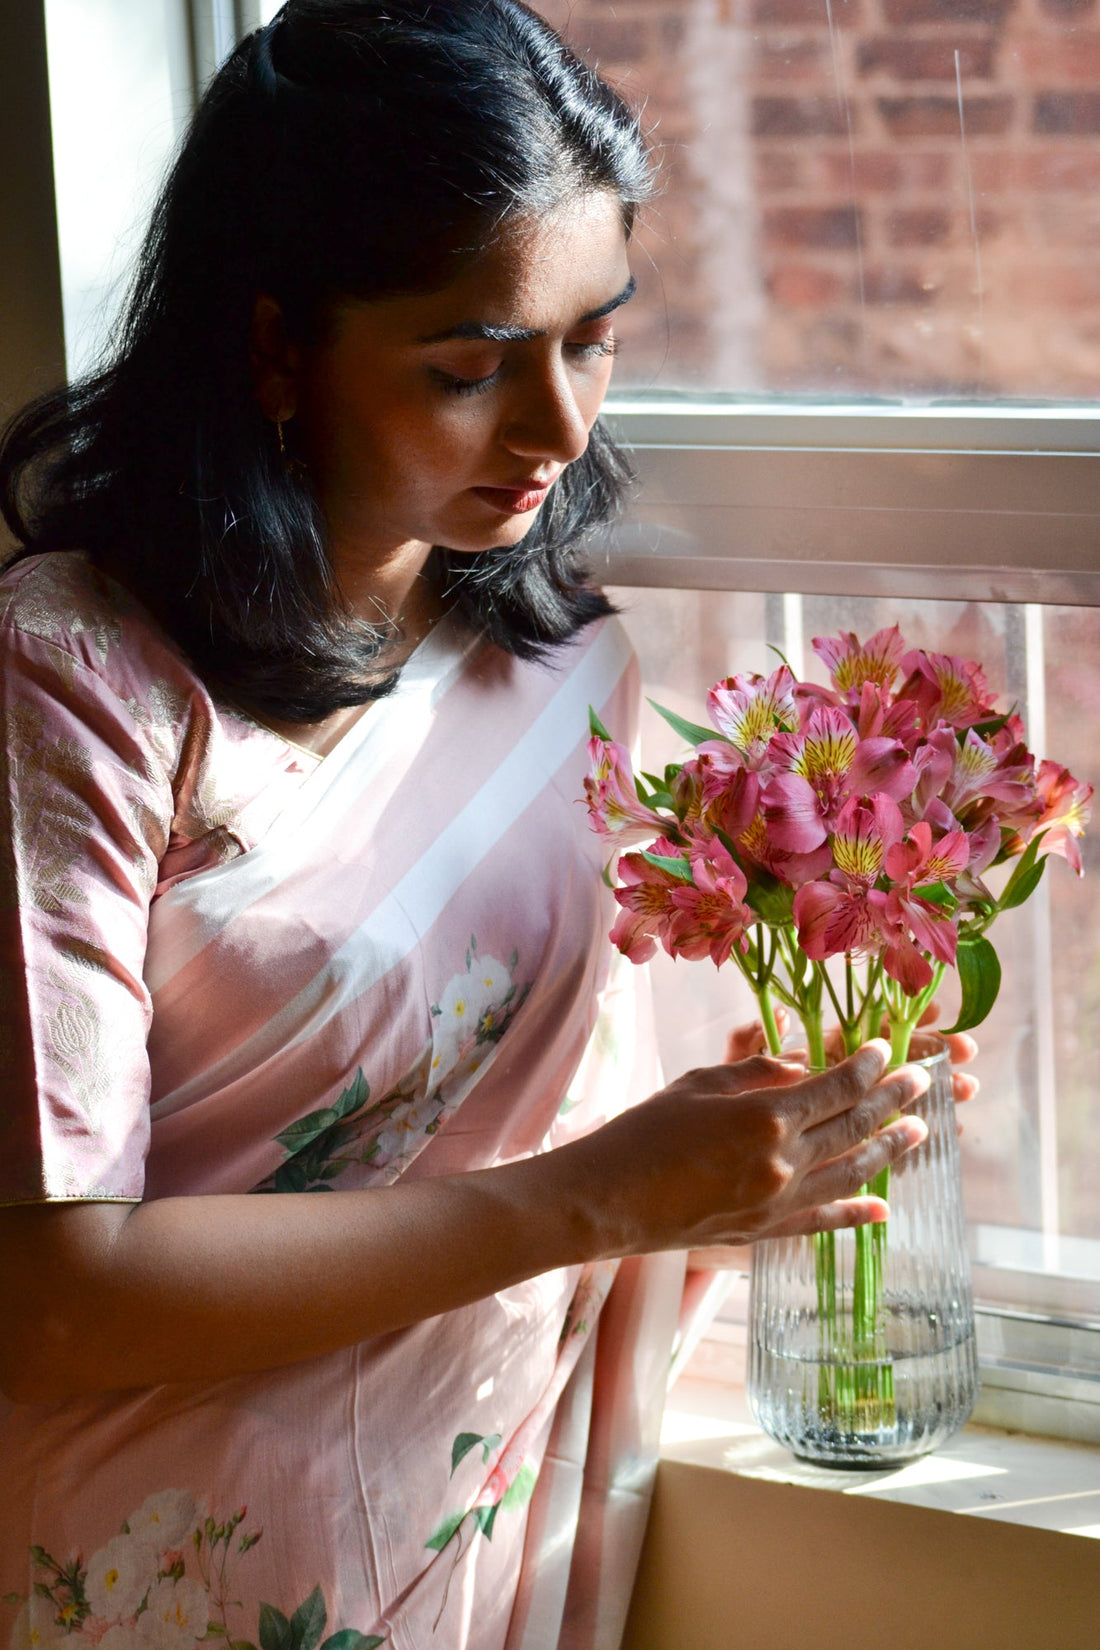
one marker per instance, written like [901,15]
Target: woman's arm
[95,1296]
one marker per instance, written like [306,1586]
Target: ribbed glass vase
[861,1344]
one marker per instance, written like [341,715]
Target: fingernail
[880,1046]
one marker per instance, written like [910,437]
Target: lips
[518,500]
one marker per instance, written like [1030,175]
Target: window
[858,384]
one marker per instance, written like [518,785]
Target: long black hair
[352,148]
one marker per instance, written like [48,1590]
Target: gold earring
[282,443]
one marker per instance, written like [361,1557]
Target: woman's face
[445,419]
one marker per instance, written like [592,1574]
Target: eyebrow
[524,335]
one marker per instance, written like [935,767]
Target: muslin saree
[231,965]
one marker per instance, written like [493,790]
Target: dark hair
[352,148]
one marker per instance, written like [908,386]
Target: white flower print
[409,1121]
[472,1013]
[178,1614]
[118,1577]
[163,1520]
[122,1636]
[35,1626]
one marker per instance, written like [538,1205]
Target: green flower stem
[767,1015]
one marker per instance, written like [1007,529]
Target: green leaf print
[274,1629]
[308,1622]
[349,1639]
[521,1489]
[487,1517]
[442,1533]
[466,1441]
[304,1130]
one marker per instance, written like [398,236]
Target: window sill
[985,1542]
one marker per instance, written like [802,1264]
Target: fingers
[896,1091]
[832,1217]
[842,1177]
[964,1087]
[828,1093]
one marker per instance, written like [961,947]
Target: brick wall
[891,196]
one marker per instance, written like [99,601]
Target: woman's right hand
[731,1153]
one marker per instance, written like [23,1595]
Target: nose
[548,418]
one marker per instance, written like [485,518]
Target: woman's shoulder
[62,598]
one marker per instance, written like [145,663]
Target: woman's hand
[731,1153]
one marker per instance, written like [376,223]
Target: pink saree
[230,965]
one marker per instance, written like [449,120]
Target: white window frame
[988,503]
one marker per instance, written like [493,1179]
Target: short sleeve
[84,821]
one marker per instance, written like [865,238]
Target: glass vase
[861,1343]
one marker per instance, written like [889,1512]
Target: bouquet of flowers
[855,821]
[833,843]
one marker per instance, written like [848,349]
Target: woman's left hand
[746,1041]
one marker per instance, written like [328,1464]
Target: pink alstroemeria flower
[646,899]
[710,916]
[750,710]
[946,689]
[847,913]
[827,764]
[1066,810]
[852,663]
[914,864]
[756,846]
[614,806]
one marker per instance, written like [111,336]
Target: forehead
[540,272]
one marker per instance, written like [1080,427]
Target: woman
[297,661]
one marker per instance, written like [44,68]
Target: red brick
[916,58]
[777,169]
[919,226]
[1074,113]
[798,117]
[812,12]
[824,227]
[886,170]
[803,286]
[903,12]
[1055,59]
[939,116]
[891,285]
[789,58]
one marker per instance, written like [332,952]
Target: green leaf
[771,899]
[938,893]
[308,1621]
[691,731]
[678,868]
[304,1130]
[462,1446]
[442,1533]
[274,1628]
[986,730]
[487,1517]
[349,1639]
[980,979]
[1022,888]
[13,1598]
[522,1487]
[596,727]
[1025,877]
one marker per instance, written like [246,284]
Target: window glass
[862,197]
[1031,1141]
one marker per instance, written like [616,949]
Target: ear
[274,361]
